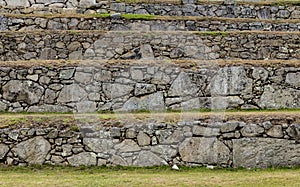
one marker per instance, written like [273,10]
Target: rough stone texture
[22,91]
[83,159]
[143,139]
[71,93]
[3,150]
[33,151]
[204,150]
[265,152]
[98,145]
[113,45]
[275,131]
[205,131]
[147,158]
[150,102]
[182,86]
[252,130]
[127,146]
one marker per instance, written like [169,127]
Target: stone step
[98,45]
[250,140]
[20,22]
[260,10]
[90,86]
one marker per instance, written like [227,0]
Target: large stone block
[33,151]
[231,81]
[3,150]
[83,159]
[265,152]
[147,158]
[182,86]
[25,91]
[204,151]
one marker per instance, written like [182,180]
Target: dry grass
[185,64]
[58,176]
[61,121]
[153,17]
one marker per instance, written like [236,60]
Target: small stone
[143,139]
[275,131]
[175,167]
[252,130]
[83,159]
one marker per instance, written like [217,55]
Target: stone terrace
[87,57]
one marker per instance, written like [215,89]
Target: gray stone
[146,52]
[83,159]
[275,131]
[142,89]
[265,152]
[130,133]
[276,98]
[49,108]
[251,130]
[149,102]
[66,73]
[127,146]
[118,161]
[98,145]
[204,151]
[205,131]
[87,3]
[18,3]
[86,106]
[231,81]
[57,159]
[3,151]
[103,76]
[260,73]
[116,90]
[71,93]
[24,91]
[33,151]
[182,86]
[294,131]
[143,139]
[3,106]
[293,79]
[76,55]
[229,126]
[48,54]
[166,152]
[82,77]
[67,150]
[147,158]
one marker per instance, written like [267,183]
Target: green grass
[47,176]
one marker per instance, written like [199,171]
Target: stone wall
[95,45]
[144,86]
[192,143]
[118,24]
[186,8]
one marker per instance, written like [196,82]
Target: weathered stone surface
[143,139]
[86,106]
[49,108]
[229,126]
[182,86]
[231,81]
[24,91]
[204,150]
[205,131]
[147,158]
[82,77]
[166,152]
[116,90]
[146,52]
[33,151]
[265,152]
[98,145]
[103,76]
[149,102]
[18,3]
[83,159]
[71,93]
[294,131]
[275,131]
[142,89]
[127,146]
[118,161]
[293,79]
[3,150]
[276,98]
[251,130]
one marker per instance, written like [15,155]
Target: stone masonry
[191,143]
[125,87]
